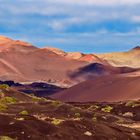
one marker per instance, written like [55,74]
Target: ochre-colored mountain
[130,58]
[106,88]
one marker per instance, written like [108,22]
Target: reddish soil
[54,120]
[104,88]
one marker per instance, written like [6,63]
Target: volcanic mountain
[23,62]
[20,61]
[105,88]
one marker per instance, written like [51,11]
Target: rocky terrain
[49,94]
[27,117]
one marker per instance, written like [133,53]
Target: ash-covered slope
[104,88]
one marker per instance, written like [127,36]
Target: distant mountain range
[104,77]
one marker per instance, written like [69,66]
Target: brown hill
[105,88]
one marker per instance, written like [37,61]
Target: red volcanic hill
[23,62]
[106,88]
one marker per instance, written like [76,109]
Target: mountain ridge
[23,62]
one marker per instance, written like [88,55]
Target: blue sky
[73,25]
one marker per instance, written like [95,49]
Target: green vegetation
[35,99]
[3,107]
[5,138]
[94,119]
[56,121]
[45,99]
[4,87]
[77,115]
[107,109]
[8,100]
[24,112]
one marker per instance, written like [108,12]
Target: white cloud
[95,2]
[59,15]
[76,10]
[136,18]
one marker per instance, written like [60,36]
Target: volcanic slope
[93,70]
[21,61]
[104,88]
[25,117]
